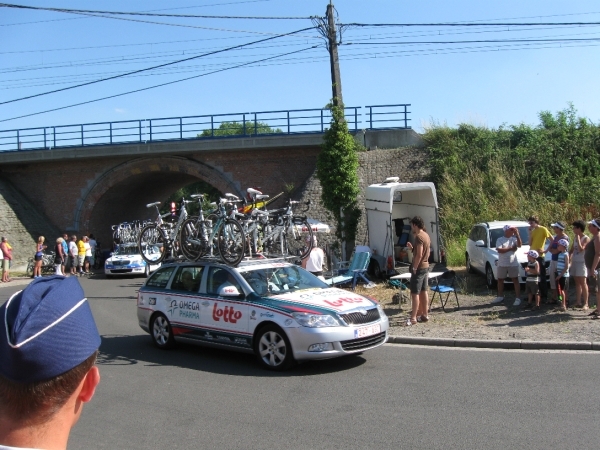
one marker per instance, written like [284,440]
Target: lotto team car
[126,260]
[275,309]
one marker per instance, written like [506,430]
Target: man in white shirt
[73,252]
[315,260]
[508,265]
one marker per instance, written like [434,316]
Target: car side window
[473,234]
[483,235]
[187,279]
[160,278]
[219,278]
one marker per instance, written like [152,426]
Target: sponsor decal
[340,301]
[288,322]
[208,335]
[253,315]
[229,290]
[228,314]
[172,307]
[241,341]
[267,314]
[223,338]
[152,301]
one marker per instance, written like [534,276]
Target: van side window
[160,278]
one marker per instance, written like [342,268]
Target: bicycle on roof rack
[159,239]
[217,233]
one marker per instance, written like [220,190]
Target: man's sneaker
[497,300]
[517,302]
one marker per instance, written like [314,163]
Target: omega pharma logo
[187,309]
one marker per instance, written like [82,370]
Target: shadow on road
[132,350]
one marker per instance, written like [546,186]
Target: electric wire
[151,68]
[155,86]
[470,24]
[148,14]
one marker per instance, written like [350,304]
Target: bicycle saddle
[150,205]
[197,195]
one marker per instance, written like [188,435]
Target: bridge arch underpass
[121,193]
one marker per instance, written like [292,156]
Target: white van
[390,206]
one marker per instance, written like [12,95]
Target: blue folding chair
[445,285]
[355,271]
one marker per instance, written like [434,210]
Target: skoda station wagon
[271,308]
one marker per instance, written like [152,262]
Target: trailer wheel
[374,269]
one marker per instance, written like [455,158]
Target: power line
[483,41]
[157,85]
[196,16]
[154,67]
[470,24]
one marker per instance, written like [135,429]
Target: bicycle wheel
[191,240]
[231,241]
[152,244]
[29,270]
[298,238]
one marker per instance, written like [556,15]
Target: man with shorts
[65,246]
[73,251]
[48,348]
[508,265]
[7,254]
[594,227]
[419,278]
[538,235]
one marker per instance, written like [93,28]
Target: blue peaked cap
[46,330]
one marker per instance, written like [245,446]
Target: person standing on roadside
[88,255]
[508,265]
[559,230]
[7,253]
[80,255]
[39,254]
[73,252]
[65,246]
[578,270]
[48,347]
[594,249]
[93,245]
[59,257]
[419,272]
[562,272]
[538,235]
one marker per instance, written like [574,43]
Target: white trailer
[390,205]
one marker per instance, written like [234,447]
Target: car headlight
[315,320]
[381,311]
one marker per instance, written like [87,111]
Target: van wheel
[468,264]
[374,269]
[489,277]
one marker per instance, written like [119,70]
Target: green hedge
[551,170]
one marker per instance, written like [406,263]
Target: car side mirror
[479,243]
[229,291]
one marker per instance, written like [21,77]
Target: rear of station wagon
[274,309]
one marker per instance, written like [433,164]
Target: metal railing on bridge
[214,126]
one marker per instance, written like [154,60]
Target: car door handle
[205,303]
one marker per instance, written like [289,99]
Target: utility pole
[329,32]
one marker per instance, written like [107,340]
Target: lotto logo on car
[228,314]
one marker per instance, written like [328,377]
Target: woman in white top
[578,269]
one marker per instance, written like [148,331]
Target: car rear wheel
[468,264]
[489,277]
[273,348]
[161,332]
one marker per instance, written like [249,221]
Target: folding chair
[445,285]
[356,270]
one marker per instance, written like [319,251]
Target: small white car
[481,255]
[274,309]
[126,260]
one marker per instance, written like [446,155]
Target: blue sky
[481,83]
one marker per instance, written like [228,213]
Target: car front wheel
[161,332]
[489,277]
[273,348]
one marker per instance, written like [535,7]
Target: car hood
[317,300]
[125,257]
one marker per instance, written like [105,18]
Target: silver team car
[272,308]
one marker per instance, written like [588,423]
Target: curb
[480,343]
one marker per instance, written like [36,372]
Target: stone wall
[410,164]
[22,224]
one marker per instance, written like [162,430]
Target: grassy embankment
[551,170]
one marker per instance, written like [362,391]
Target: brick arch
[122,192]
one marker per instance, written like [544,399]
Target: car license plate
[367,331]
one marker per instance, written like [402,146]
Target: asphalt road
[393,397]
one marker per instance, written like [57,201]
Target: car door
[185,304]
[225,315]
[476,254]
[156,293]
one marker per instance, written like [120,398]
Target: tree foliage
[199,187]
[550,170]
[337,167]
[239,129]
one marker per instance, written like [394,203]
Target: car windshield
[127,250]
[279,280]
[499,232]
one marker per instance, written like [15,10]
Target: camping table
[406,276]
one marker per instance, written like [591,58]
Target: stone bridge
[88,189]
